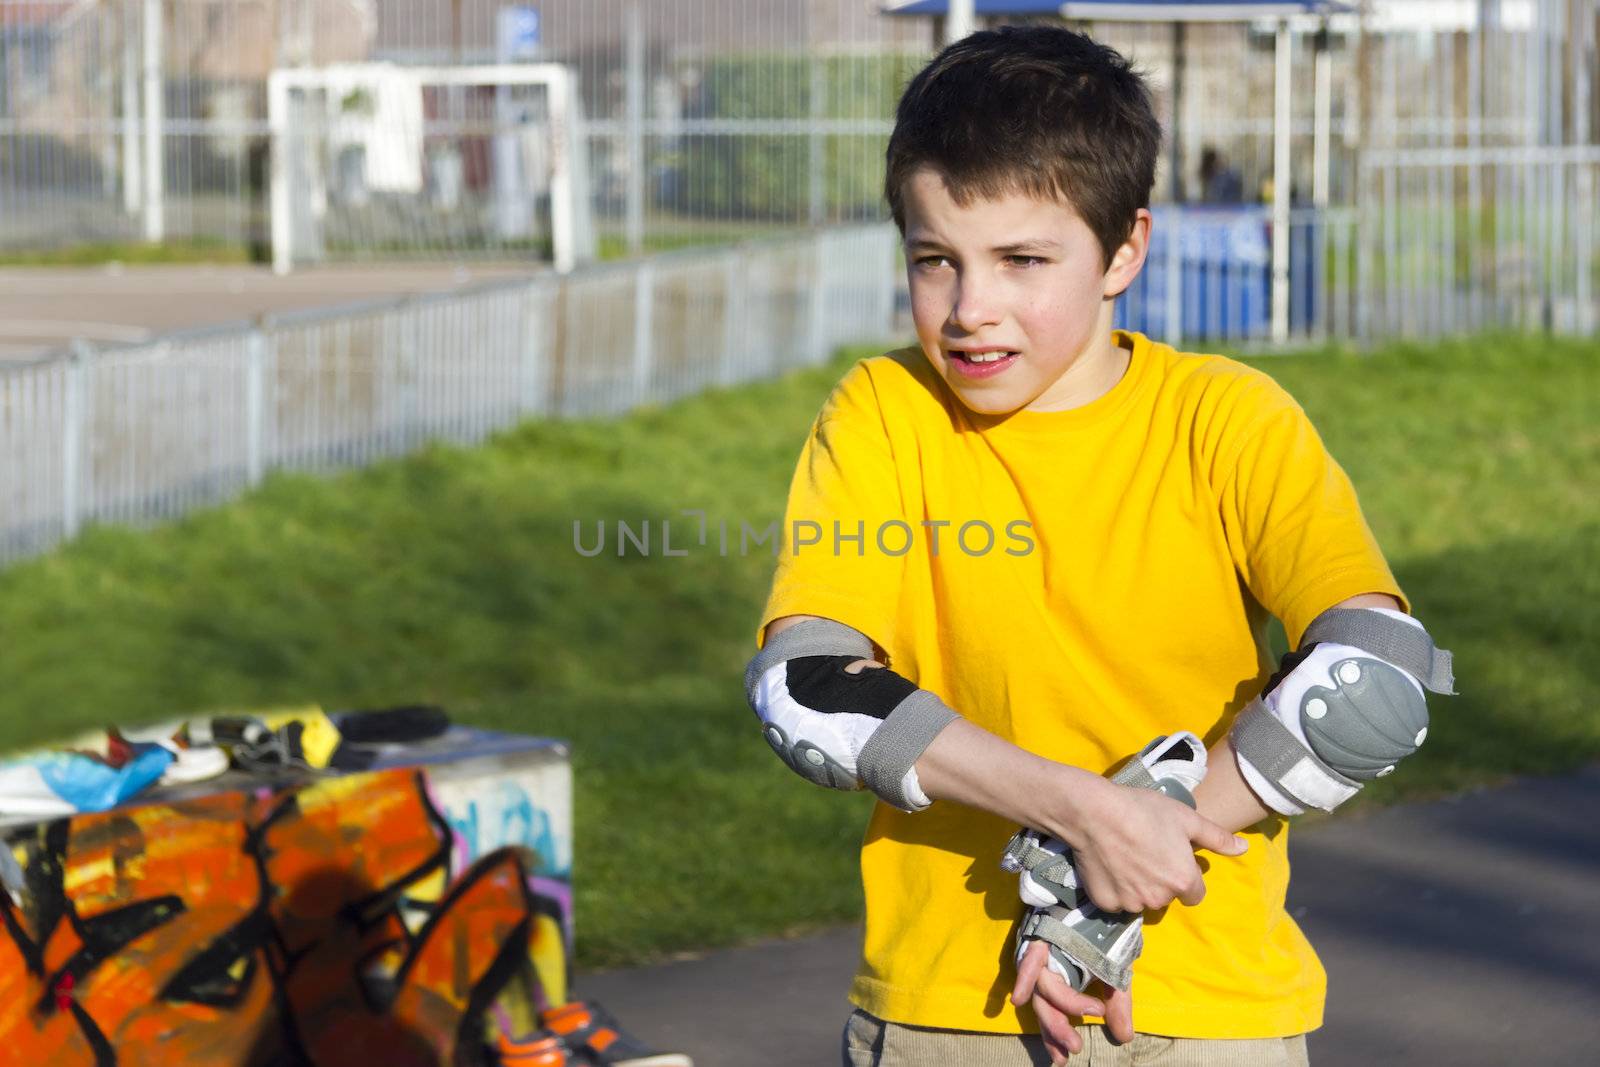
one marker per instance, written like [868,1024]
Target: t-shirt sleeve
[1292,520]
[841,554]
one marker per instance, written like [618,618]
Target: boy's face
[1016,278]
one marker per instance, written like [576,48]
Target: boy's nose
[975,306]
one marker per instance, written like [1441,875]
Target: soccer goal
[379,160]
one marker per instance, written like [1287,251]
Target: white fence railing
[147,432]
[1455,240]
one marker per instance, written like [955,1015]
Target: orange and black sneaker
[543,1049]
[597,1041]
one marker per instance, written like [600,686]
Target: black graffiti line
[193,983]
[44,883]
[104,936]
[469,878]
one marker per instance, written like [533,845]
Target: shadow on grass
[1523,619]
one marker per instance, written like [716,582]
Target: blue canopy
[1134,10]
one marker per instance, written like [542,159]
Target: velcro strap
[1134,773]
[1053,870]
[894,748]
[1085,942]
[1272,748]
[1407,647]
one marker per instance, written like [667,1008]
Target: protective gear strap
[1271,748]
[814,637]
[1407,647]
[1048,868]
[887,759]
[1088,940]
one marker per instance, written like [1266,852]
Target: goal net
[379,160]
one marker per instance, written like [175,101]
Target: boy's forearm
[969,765]
[1223,796]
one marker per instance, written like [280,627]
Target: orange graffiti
[316,924]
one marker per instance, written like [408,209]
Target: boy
[1043,544]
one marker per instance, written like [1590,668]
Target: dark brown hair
[1039,110]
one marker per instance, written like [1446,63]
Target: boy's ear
[1129,257]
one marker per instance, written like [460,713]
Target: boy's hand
[1134,849]
[1056,1004]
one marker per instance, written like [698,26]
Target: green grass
[197,250]
[451,576]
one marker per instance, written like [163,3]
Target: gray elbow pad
[1344,709]
[839,729]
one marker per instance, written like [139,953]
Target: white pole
[634,47]
[278,145]
[132,195]
[563,145]
[1280,190]
[154,106]
[958,21]
[1322,128]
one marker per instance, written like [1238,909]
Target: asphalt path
[1463,932]
[47,308]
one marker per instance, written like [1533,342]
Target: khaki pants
[871,1042]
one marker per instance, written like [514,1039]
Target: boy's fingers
[1204,833]
[1064,998]
[1119,1016]
[1195,891]
[1033,961]
[1061,1039]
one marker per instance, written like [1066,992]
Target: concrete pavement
[1463,932]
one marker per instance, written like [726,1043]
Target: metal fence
[146,432]
[1458,240]
[705,120]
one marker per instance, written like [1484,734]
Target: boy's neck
[1092,375]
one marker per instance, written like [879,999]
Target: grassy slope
[451,576]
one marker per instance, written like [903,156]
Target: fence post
[410,430]
[644,293]
[1366,202]
[888,281]
[530,394]
[817,338]
[732,304]
[1174,331]
[255,373]
[72,429]
[816,147]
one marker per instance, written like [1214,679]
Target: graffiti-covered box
[381,917]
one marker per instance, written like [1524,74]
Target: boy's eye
[931,262]
[1024,261]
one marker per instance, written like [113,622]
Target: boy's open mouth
[981,364]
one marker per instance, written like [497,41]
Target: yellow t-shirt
[1105,576]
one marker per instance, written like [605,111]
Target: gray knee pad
[1344,709]
[839,729]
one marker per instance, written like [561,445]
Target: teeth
[985,357]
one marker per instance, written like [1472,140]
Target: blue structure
[1134,10]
